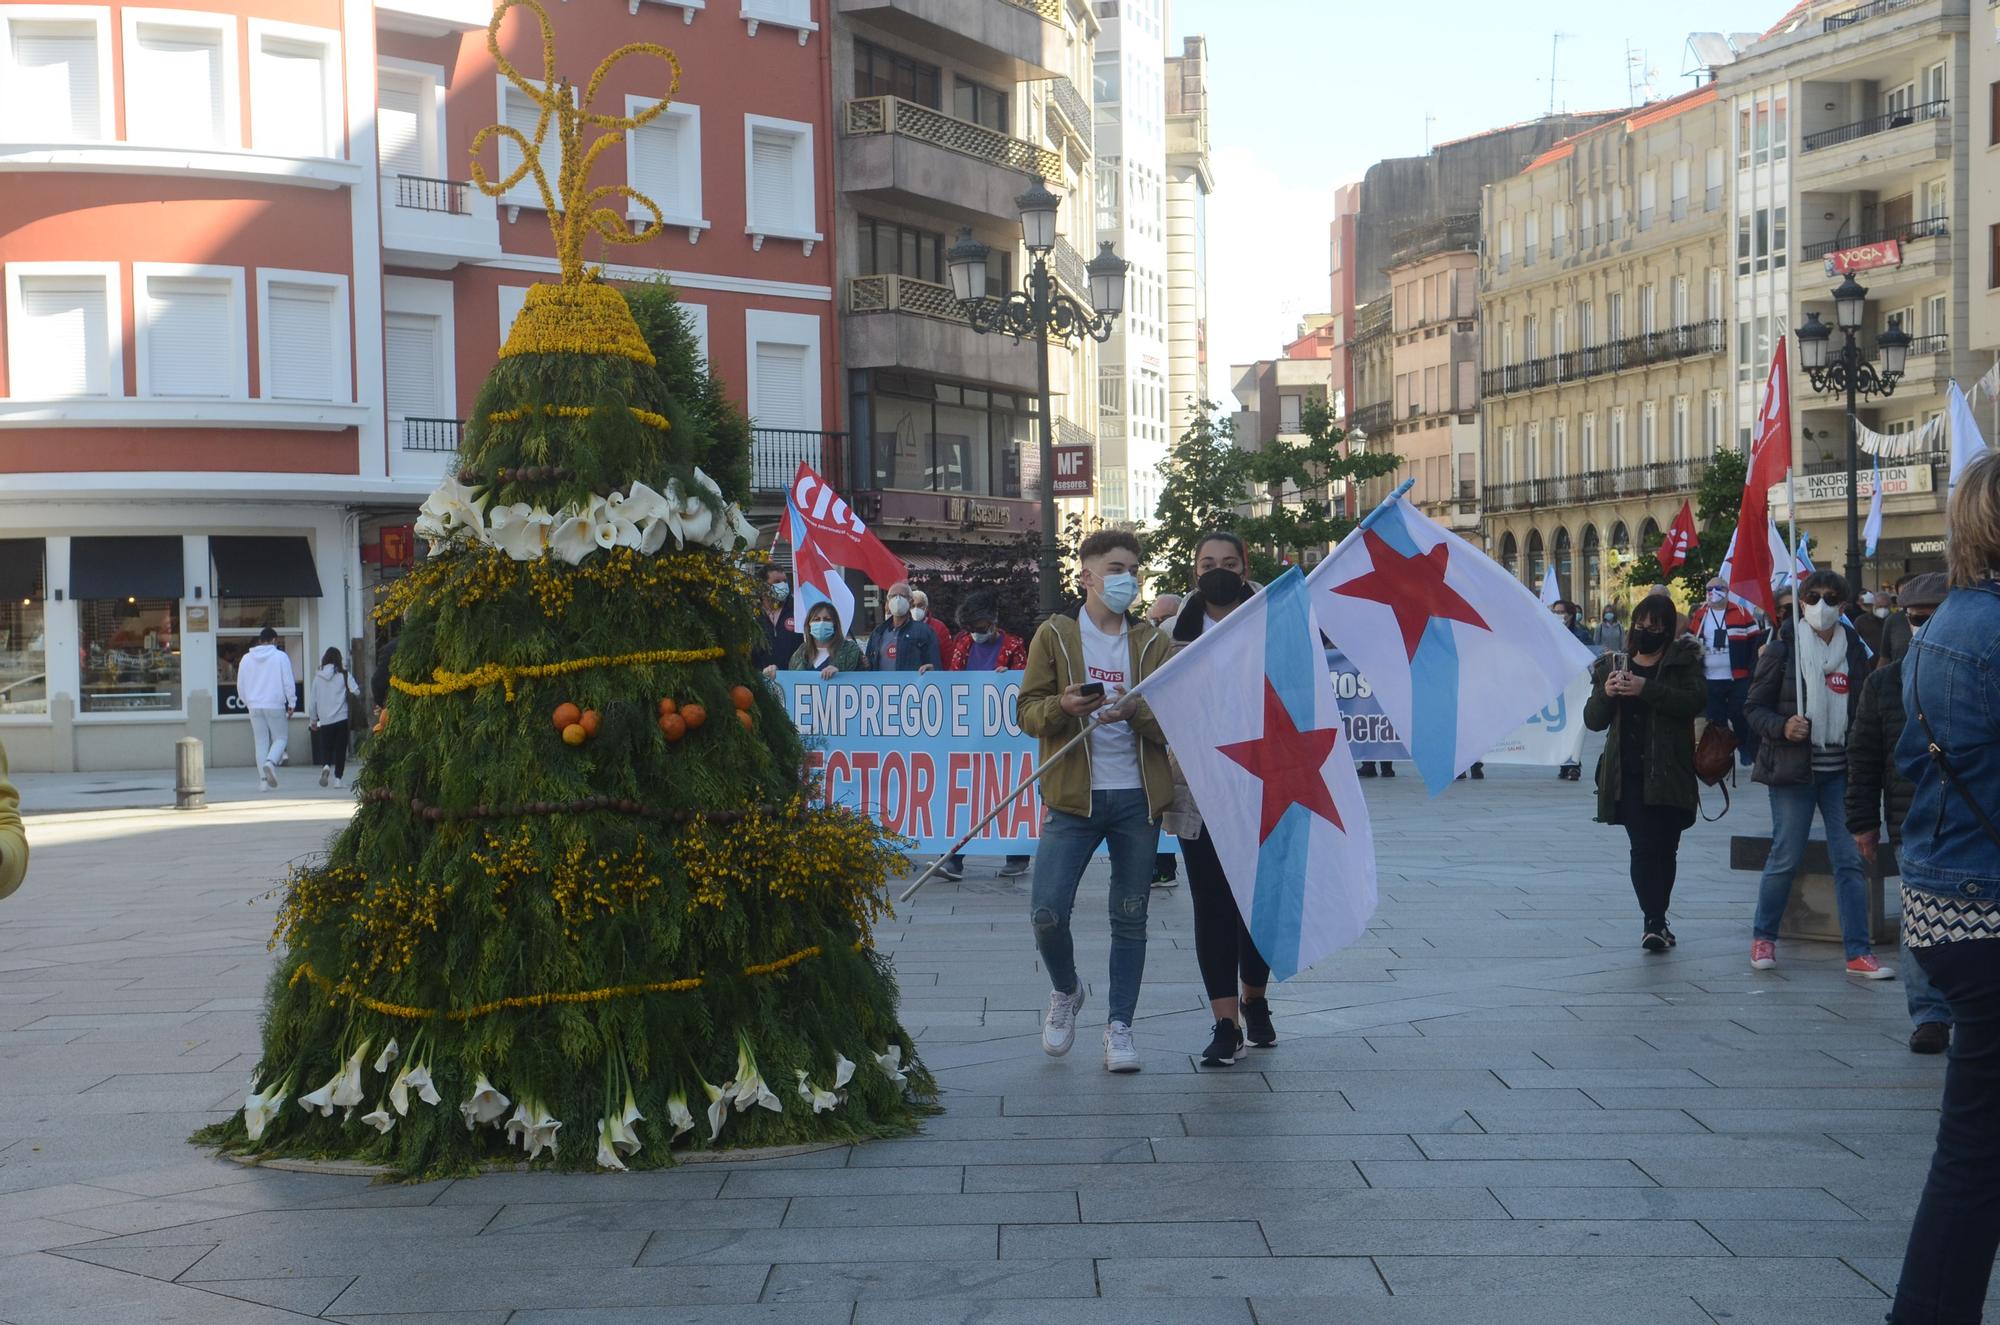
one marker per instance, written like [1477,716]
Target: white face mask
[918,614]
[1882,612]
[1821,616]
[899,606]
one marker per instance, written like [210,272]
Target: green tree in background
[1209,483]
[1717,503]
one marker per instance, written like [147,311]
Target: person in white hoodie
[267,687]
[326,713]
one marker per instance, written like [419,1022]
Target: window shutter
[299,330]
[59,351]
[781,386]
[522,115]
[399,133]
[53,90]
[288,100]
[411,342]
[513,298]
[175,75]
[190,350]
[773,200]
[656,163]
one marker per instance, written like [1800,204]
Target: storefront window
[24,659]
[950,438]
[238,623]
[130,649]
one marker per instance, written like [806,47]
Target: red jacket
[1741,635]
[943,633]
[1013,654]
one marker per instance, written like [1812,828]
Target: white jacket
[264,679]
[326,696]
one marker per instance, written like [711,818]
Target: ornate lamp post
[1848,371]
[1040,311]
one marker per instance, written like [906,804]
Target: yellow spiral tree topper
[577,316]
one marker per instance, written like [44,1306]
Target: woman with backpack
[1645,777]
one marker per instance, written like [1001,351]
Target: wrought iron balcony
[893,115]
[1928,228]
[1049,10]
[1376,420]
[1936,343]
[775,455]
[438,436]
[432,195]
[1069,268]
[1072,106]
[1654,347]
[1874,124]
[1847,18]
[1071,433]
[1664,478]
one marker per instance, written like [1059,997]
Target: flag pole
[1798,590]
[1094,723]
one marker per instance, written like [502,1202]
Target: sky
[1305,95]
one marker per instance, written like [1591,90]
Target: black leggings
[1655,833]
[329,746]
[1222,943]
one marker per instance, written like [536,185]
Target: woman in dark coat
[1645,777]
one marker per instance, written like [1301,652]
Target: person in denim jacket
[1951,903]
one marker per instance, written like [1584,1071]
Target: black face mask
[1648,639]
[1220,586]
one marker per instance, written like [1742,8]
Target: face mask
[985,636]
[1610,618]
[821,630]
[1882,612]
[1916,622]
[918,614]
[1118,591]
[899,606]
[1648,641]
[1718,596]
[780,591]
[1821,616]
[1220,585]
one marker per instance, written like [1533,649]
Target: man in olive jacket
[13,840]
[1112,791]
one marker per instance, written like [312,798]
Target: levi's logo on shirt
[1106,675]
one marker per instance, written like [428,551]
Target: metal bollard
[190,774]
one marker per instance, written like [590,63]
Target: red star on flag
[1290,762]
[1411,587]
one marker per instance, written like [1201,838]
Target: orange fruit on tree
[694,715]
[574,734]
[743,716]
[567,715]
[589,721]
[673,725]
[667,706]
[742,697]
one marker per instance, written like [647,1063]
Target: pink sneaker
[1869,969]
[1763,955]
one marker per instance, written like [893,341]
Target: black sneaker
[1223,1046]
[1930,1038]
[1657,940]
[1479,772]
[1257,1027]
[1388,769]
[1366,770]
[1015,867]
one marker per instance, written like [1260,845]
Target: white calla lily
[843,1071]
[321,1099]
[387,1056]
[653,536]
[420,1081]
[637,505]
[518,1125]
[449,511]
[718,1107]
[624,1135]
[750,1089]
[399,1093]
[575,535]
[607,1147]
[739,528]
[624,533]
[520,530]
[821,1100]
[542,1129]
[347,1090]
[678,1114]
[381,1120]
[260,1106]
[485,1104]
[890,1060]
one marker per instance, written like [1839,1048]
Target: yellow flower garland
[486,674]
[645,416]
[682,986]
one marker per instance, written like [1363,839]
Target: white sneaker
[1119,1053]
[325,774]
[1059,1027]
[271,772]
[340,782]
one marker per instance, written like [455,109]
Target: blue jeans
[1925,1002]
[1791,824]
[1725,705]
[1123,820]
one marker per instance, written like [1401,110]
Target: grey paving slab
[1777,1278]
[1206,1276]
[932,1209]
[1555,1307]
[838,1245]
[617,1216]
[1071,1311]
[1504,1173]
[1654,1203]
[1230,1201]
[1819,1237]
[1109,1241]
[750,1183]
[752,1313]
[1318,1175]
[1292,1236]
[950,1281]
[447,1286]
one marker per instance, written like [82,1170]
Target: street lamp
[1040,311]
[1846,370]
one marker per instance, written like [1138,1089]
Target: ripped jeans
[1123,820]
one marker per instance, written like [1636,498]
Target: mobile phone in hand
[1091,690]
[1621,662]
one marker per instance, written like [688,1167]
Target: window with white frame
[294,90]
[1586,226]
[1646,311]
[794,14]
[512,299]
[1712,430]
[1934,199]
[302,336]
[1680,186]
[1534,450]
[414,347]
[778,175]
[1649,432]
[1558,230]
[1531,237]
[1712,196]
[1712,309]
[1587,439]
[663,161]
[521,113]
[406,122]
[1936,315]
[1649,198]
[1677,436]
[189,323]
[783,351]
[696,317]
[1561,443]
[1682,313]
[63,335]
[1507,454]
[1618,437]
[55,76]
[180,79]
[1506,246]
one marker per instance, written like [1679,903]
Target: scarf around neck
[1825,709]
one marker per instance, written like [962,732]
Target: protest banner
[1552,737]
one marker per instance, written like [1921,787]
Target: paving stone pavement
[1493,1109]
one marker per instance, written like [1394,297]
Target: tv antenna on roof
[1429,120]
[1555,45]
[1639,77]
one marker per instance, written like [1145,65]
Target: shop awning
[20,568]
[126,567]
[263,567]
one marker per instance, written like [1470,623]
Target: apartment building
[1434,365]
[1272,397]
[1133,392]
[1190,181]
[1603,312]
[948,112]
[1854,153]
[250,293]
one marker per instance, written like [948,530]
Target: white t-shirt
[1713,627]
[1114,749]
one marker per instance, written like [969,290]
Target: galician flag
[1871,533]
[1250,713]
[1551,591]
[1458,651]
[1966,443]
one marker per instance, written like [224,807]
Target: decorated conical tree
[587,909]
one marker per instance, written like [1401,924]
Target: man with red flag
[1679,541]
